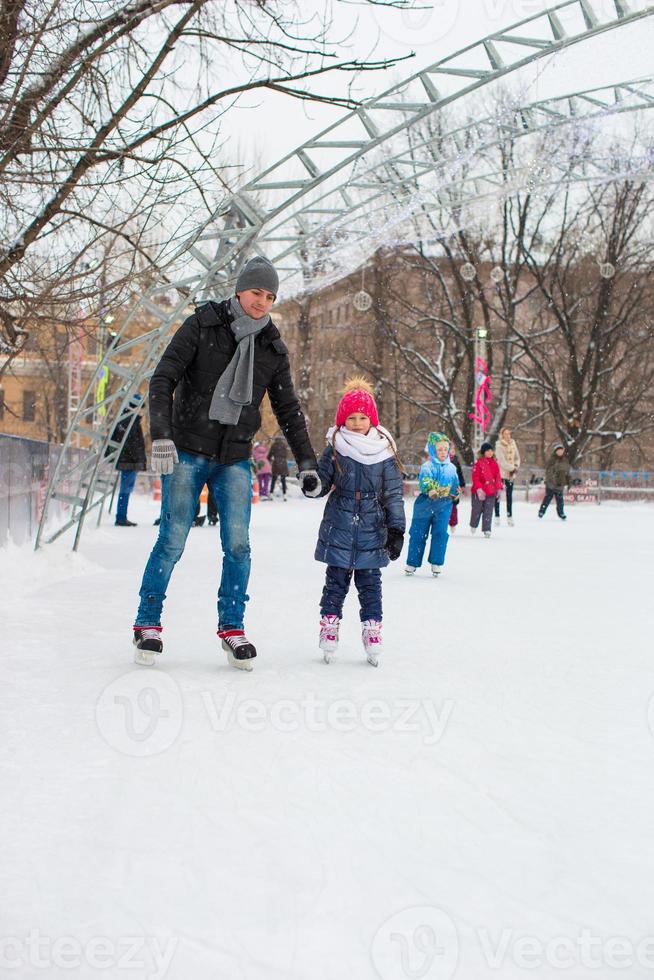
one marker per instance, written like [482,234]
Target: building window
[2,404]
[29,406]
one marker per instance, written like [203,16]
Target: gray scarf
[234,387]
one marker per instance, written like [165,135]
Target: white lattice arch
[373,165]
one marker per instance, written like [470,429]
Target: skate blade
[372,660]
[145,658]
[239,664]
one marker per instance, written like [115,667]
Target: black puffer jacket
[132,455]
[190,367]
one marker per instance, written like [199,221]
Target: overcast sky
[268,127]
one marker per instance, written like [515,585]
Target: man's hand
[310,483]
[394,543]
[480,494]
[432,494]
[164,456]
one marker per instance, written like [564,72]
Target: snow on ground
[480,806]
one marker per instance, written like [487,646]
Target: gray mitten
[164,456]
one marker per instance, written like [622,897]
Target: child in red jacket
[486,486]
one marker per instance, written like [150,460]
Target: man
[131,458]
[557,478]
[219,364]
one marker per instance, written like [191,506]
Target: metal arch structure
[379,162]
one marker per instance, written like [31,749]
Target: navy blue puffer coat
[366,500]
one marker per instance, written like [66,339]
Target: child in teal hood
[439,487]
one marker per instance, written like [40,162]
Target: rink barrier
[587,486]
[25,466]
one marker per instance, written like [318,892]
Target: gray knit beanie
[258,273]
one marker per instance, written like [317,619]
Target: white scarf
[374,447]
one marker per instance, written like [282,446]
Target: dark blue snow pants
[337,583]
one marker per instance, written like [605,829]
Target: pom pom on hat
[357,397]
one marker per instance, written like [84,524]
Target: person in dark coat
[557,478]
[131,459]
[205,395]
[278,456]
[454,516]
[363,525]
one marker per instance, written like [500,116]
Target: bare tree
[590,346]
[105,134]
[558,274]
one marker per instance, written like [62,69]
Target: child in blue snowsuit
[363,524]
[439,488]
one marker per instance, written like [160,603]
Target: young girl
[363,525]
[486,485]
[439,486]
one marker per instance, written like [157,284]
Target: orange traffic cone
[255,490]
[156,489]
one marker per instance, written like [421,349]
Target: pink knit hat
[357,398]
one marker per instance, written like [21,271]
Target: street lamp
[480,335]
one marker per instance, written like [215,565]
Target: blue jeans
[127,481]
[230,487]
[429,515]
[337,583]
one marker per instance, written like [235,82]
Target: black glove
[455,500]
[394,543]
[310,483]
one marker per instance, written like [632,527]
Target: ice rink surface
[480,806]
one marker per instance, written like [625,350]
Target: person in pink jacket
[486,486]
[263,468]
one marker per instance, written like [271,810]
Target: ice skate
[510,521]
[452,528]
[328,641]
[372,640]
[410,570]
[240,652]
[436,570]
[487,534]
[473,530]
[148,643]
